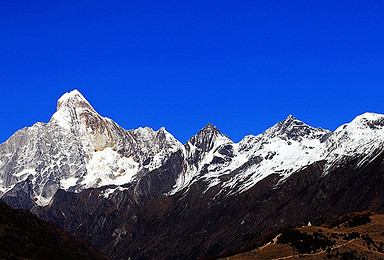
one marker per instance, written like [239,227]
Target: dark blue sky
[240,65]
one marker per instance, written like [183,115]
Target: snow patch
[63,118]
[67,183]
[22,175]
[109,167]
[106,193]
[42,201]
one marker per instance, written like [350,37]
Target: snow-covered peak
[146,136]
[207,138]
[145,131]
[369,116]
[73,99]
[362,137]
[368,120]
[294,129]
[79,149]
[363,132]
[209,128]
[164,134]
[70,107]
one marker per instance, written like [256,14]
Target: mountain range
[142,194]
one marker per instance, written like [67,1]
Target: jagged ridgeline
[77,149]
[142,194]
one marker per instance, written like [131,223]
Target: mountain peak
[293,128]
[73,99]
[291,120]
[288,124]
[209,128]
[366,121]
[69,108]
[368,117]
[290,117]
[207,136]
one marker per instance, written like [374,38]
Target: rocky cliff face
[141,193]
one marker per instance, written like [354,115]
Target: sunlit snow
[69,182]
[109,167]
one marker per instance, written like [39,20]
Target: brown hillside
[344,241]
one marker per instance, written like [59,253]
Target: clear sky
[240,65]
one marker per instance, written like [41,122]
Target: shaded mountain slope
[24,235]
[192,225]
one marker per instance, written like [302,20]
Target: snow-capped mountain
[78,149]
[286,147]
[362,137]
[133,193]
[283,148]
